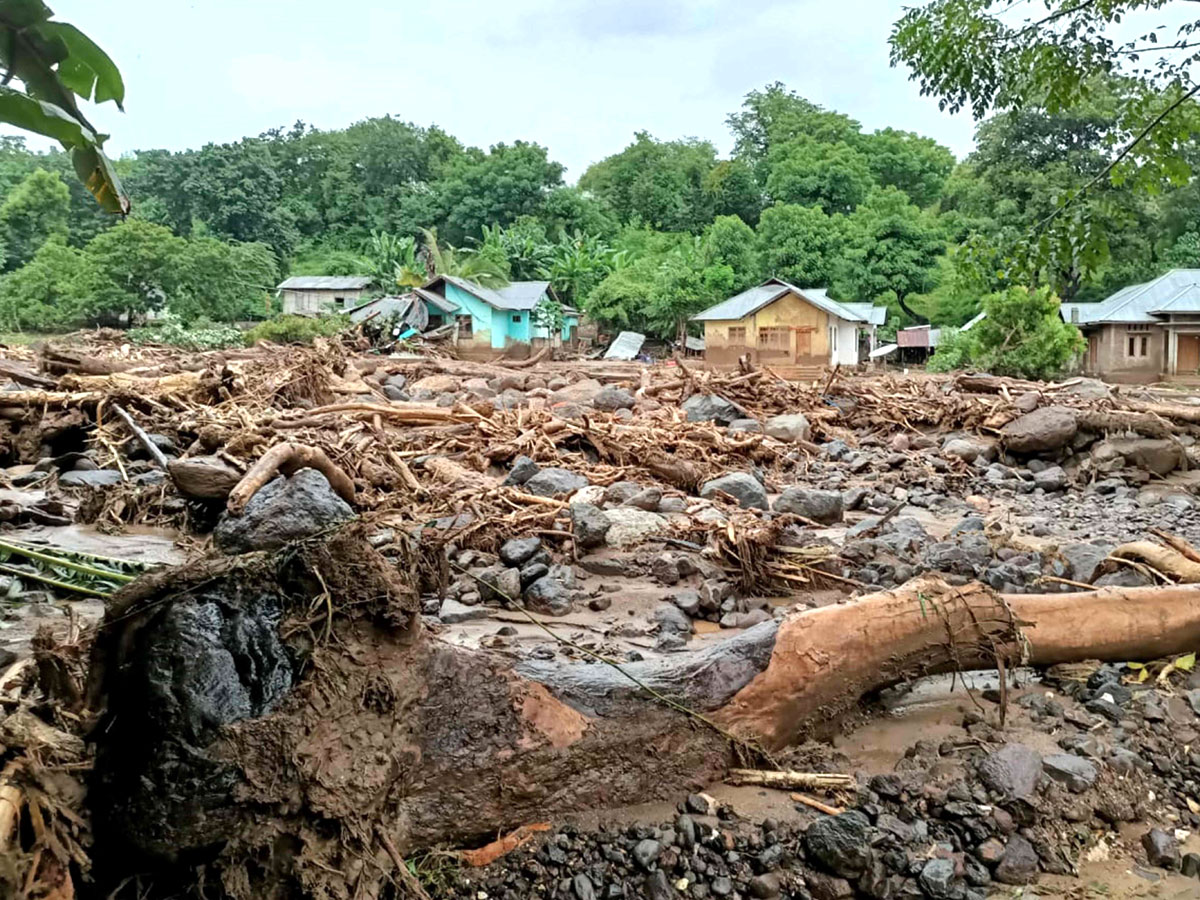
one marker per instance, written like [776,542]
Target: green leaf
[1186,663]
[87,70]
[43,118]
[24,13]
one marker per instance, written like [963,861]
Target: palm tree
[460,263]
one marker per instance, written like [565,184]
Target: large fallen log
[255,703]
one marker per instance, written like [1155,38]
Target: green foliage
[730,241]
[44,294]
[1024,335]
[484,269]
[774,116]
[317,258]
[955,351]
[548,314]
[523,248]
[32,213]
[391,261]
[577,264]
[800,244]
[917,165]
[891,250]
[132,269]
[683,286]
[200,335]
[296,329]
[223,282]
[835,177]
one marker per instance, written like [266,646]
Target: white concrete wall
[846,351]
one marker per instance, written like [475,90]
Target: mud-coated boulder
[820,506]
[1043,430]
[789,427]
[203,477]
[285,510]
[746,489]
[1156,455]
[712,408]
[969,448]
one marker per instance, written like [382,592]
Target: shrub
[955,350]
[296,329]
[202,335]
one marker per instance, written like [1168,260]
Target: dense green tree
[44,294]
[36,210]
[730,241]
[221,281]
[523,248]
[1023,334]
[733,190]
[774,116]
[132,268]
[891,251]
[623,298]
[566,210]
[916,165]
[438,258]
[800,244]
[835,177]
[577,264]
[659,183]
[684,284]
[494,188]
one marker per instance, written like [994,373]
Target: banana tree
[56,65]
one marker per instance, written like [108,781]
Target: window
[464,326]
[1137,327]
[1145,346]
[773,339]
[737,334]
[517,318]
[1137,346]
[339,302]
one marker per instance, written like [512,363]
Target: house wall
[1110,358]
[481,338]
[312,303]
[846,352]
[789,311]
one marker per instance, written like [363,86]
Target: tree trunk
[259,702]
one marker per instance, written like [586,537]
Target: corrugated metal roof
[869,312]
[1178,289]
[436,300]
[517,295]
[625,345]
[325,283]
[753,299]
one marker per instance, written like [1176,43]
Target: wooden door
[1187,354]
[803,343]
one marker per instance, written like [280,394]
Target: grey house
[1144,332]
[314,295]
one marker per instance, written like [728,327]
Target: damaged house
[779,323]
[314,295]
[1144,332]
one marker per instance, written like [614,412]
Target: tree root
[287,458]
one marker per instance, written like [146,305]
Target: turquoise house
[492,319]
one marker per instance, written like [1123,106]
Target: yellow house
[779,323]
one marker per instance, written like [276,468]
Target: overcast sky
[578,76]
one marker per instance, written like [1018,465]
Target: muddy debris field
[298,622]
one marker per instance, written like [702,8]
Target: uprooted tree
[285,720]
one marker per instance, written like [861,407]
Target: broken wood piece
[156,454]
[405,877]
[489,853]
[817,805]
[286,459]
[1166,560]
[789,780]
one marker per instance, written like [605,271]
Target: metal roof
[625,345]
[869,312]
[436,300]
[753,299]
[325,283]
[1175,292]
[975,321]
[516,295]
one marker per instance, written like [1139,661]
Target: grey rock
[671,618]
[841,843]
[1019,864]
[647,499]
[523,468]
[1014,771]
[518,551]
[613,398]
[937,878]
[1073,772]
[745,488]
[589,525]
[820,506]
[672,505]
[745,426]
[285,510]
[531,572]
[1084,559]
[499,584]
[721,886]
[788,427]
[629,526]
[204,477]
[1157,455]
[969,449]
[1048,428]
[967,524]
[554,481]
[1162,850]
[711,408]
[90,478]
[452,611]
[620,491]
[688,602]
[581,887]
[646,852]
[548,595]
[1190,865]
[1051,479]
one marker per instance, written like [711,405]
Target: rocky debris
[452,612]
[285,510]
[93,478]
[203,477]
[629,526]
[523,468]
[841,843]
[580,393]
[548,595]
[744,488]
[613,398]
[647,499]
[1073,772]
[1019,864]
[711,408]
[499,584]
[1045,429]
[1053,478]
[745,426]
[1158,456]
[1014,771]
[791,427]
[518,551]
[820,506]
[553,482]
[1162,850]
[969,448]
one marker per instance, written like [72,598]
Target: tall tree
[800,244]
[33,213]
[916,165]
[494,188]
[835,177]
[731,242]
[132,269]
[776,115]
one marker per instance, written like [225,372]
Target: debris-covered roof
[1177,291]
[753,299]
[325,283]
